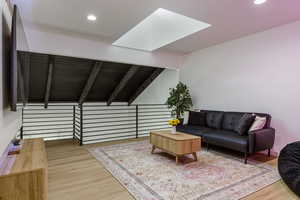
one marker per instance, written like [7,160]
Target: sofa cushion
[259,123]
[214,119]
[231,120]
[244,124]
[228,139]
[197,118]
[195,130]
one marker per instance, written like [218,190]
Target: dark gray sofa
[217,128]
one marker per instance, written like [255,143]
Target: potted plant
[179,101]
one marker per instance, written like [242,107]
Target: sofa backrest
[214,119]
[230,119]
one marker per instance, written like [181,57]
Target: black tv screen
[14,63]
[18,90]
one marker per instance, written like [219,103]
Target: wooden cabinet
[28,178]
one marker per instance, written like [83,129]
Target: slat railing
[55,122]
[91,123]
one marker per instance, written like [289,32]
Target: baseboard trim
[273,153]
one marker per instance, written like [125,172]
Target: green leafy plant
[180,100]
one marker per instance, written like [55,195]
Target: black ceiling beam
[49,81]
[132,70]
[145,84]
[21,81]
[90,82]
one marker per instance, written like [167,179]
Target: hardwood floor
[75,175]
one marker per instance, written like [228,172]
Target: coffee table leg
[176,160]
[153,148]
[195,156]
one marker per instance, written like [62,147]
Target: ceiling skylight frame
[159,29]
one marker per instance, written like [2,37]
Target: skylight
[159,29]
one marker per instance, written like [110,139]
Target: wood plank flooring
[75,175]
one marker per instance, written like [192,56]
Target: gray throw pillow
[244,124]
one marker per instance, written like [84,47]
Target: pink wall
[10,122]
[257,73]
[69,44]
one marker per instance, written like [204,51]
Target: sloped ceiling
[51,78]
[230,19]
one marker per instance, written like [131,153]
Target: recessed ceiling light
[159,29]
[91,17]
[259,1]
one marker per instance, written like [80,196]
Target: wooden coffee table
[178,144]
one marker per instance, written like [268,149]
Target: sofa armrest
[262,139]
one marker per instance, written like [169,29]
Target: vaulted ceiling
[230,19]
[50,78]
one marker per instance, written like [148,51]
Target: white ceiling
[230,19]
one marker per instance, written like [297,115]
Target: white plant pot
[173,130]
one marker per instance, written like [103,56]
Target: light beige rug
[215,176]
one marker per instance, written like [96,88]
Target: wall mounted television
[17,74]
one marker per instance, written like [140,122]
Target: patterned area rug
[215,176]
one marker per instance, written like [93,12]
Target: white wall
[9,121]
[257,73]
[51,41]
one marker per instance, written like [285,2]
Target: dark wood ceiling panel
[123,83]
[69,78]
[90,81]
[49,80]
[134,83]
[145,84]
[108,79]
[38,77]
